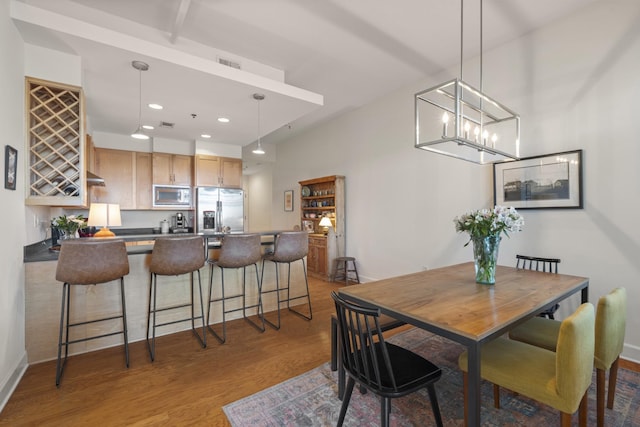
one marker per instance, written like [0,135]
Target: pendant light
[258,97]
[460,121]
[139,132]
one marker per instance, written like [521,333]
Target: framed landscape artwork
[551,181]
[10,167]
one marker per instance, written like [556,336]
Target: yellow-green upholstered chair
[559,379]
[611,316]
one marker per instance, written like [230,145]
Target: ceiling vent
[229,63]
[167,125]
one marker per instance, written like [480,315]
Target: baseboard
[630,365]
[13,380]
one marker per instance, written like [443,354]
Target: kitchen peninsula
[43,292]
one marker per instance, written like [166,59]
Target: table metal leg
[473,370]
[585,294]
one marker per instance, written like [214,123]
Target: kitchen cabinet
[127,176]
[144,181]
[214,171]
[323,197]
[172,169]
[56,167]
[317,256]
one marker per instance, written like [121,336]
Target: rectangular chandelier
[459,121]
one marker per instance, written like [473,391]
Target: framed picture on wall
[551,181]
[288,201]
[10,167]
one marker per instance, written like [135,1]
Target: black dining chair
[387,370]
[546,265]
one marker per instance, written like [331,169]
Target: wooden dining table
[447,301]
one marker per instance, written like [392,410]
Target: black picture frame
[288,201]
[550,181]
[10,167]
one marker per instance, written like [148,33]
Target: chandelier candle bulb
[494,138]
[445,122]
[467,126]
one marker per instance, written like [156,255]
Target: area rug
[311,399]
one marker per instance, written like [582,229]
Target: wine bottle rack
[55,144]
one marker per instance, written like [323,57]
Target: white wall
[12,344]
[259,193]
[574,83]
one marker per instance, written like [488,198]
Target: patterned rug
[311,399]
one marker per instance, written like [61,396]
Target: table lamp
[105,215]
[326,223]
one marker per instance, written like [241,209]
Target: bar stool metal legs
[237,251]
[222,338]
[66,303]
[152,325]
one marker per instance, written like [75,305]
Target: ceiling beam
[179,21]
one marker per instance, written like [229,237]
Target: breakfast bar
[42,292]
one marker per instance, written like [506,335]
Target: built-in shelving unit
[323,197]
[56,144]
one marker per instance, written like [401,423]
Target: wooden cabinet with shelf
[172,169]
[56,144]
[322,197]
[127,175]
[214,171]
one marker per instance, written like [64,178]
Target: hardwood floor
[186,385]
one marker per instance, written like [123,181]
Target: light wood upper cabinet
[213,171]
[231,172]
[207,171]
[172,169]
[117,168]
[127,176]
[144,181]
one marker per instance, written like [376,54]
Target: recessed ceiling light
[148,127]
[204,135]
[155,106]
[223,120]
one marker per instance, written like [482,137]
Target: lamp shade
[105,215]
[325,222]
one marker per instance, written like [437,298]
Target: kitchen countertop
[40,251]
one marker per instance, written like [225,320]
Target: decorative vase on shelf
[485,257]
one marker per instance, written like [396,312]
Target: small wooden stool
[341,269]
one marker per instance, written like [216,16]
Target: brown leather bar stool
[341,270]
[173,257]
[89,262]
[289,246]
[237,251]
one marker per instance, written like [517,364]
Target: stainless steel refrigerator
[219,208]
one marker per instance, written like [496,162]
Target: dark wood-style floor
[186,385]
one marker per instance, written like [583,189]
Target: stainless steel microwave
[171,196]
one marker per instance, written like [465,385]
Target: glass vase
[485,257]
[67,235]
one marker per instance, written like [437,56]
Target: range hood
[94,180]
